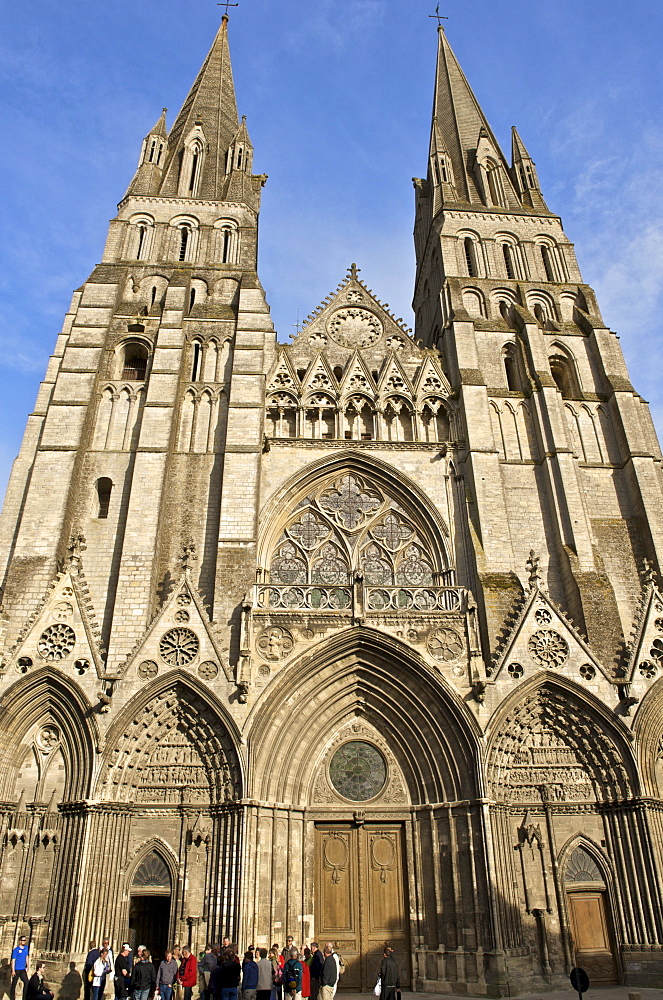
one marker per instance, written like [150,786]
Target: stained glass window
[358,771]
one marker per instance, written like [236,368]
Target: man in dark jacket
[143,977]
[317,961]
[329,976]
[225,978]
[390,976]
[249,977]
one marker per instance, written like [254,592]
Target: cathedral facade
[358,638]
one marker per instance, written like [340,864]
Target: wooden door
[590,927]
[360,898]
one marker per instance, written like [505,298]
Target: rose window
[445,644]
[358,771]
[56,642]
[179,646]
[354,328]
[548,648]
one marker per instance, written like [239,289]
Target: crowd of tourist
[219,973]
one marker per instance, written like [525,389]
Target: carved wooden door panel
[591,933]
[360,898]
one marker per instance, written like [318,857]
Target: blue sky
[338,97]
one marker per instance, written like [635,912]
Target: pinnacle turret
[524,172]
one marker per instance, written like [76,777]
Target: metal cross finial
[298,325]
[440,17]
[226,5]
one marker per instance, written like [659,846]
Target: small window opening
[104,489]
[508,260]
[338,373]
[493,186]
[375,375]
[301,372]
[239,158]
[436,172]
[195,368]
[522,178]
[184,242]
[445,172]
[547,262]
[142,232]
[192,299]
[539,313]
[530,175]
[159,153]
[470,257]
[227,238]
[511,370]
[560,371]
[152,149]
[154,295]
[135,364]
[194,171]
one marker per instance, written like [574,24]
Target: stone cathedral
[358,638]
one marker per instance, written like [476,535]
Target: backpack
[341,965]
[291,981]
[277,976]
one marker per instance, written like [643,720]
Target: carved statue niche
[531,849]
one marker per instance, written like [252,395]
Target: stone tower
[357,638]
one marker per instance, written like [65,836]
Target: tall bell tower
[148,407]
[558,453]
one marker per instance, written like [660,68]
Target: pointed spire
[462,126]
[209,118]
[160,127]
[524,172]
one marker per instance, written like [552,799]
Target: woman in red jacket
[187,975]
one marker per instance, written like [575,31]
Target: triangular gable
[357,378]
[283,377]
[644,663]
[352,293]
[543,638]
[319,377]
[180,637]
[394,379]
[431,380]
[62,632]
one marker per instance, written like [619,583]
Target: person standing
[90,959]
[225,978]
[292,975]
[20,962]
[123,972]
[166,975]
[265,976]
[390,977]
[100,970]
[188,972]
[329,975]
[206,967]
[317,961]
[249,977]
[143,977]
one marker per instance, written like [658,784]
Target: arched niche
[172,744]
[46,725]
[554,737]
[366,678]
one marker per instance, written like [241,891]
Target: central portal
[361,898]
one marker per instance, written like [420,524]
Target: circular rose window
[358,771]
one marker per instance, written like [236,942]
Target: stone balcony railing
[356,599]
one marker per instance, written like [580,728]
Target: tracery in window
[349,527]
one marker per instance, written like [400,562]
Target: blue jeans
[141,994]
[98,991]
[229,993]
[165,991]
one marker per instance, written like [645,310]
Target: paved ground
[596,993]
